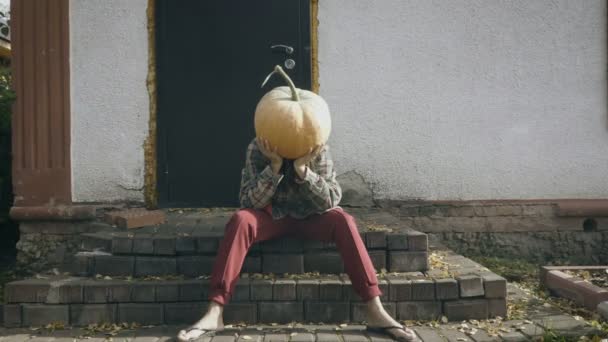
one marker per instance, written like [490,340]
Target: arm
[258,181]
[319,181]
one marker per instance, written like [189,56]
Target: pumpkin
[292,120]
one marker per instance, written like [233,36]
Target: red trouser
[248,226]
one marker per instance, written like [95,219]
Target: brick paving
[537,317]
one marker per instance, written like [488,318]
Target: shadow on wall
[8,228]
[355,191]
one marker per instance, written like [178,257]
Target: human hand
[276,161]
[301,163]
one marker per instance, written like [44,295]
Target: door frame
[154,153]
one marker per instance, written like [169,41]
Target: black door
[212,56]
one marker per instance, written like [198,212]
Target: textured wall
[109,65]
[430,99]
[468,99]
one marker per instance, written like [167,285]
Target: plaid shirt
[286,192]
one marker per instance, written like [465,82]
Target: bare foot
[378,317]
[211,321]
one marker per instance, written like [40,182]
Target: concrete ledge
[54,213]
[581,292]
[583,207]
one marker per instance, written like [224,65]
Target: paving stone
[354,336]
[12,315]
[227,335]
[358,313]
[143,244]
[97,292]
[453,335]
[428,334]
[399,289]
[27,291]
[283,263]
[167,292]
[407,261]
[272,246]
[293,245]
[376,337]
[307,289]
[309,245]
[142,313]
[193,290]
[331,289]
[419,310]
[261,289]
[155,266]
[397,242]
[84,314]
[208,244]
[495,286]
[559,323]
[82,265]
[482,336]
[513,336]
[375,239]
[96,241]
[328,336]
[66,292]
[466,309]
[164,245]
[122,245]
[384,288]
[320,311]
[446,289]
[497,307]
[112,265]
[280,312]
[323,262]
[528,328]
[194,265]
[184,313]
[143,292]
[241,291]
[41,314]
[378,258]
[252,264]
[185,245]
[116,291]
[470,286]
[301,336]
[602,308]
[251,335]
[417,241]
[284,289]
[423,289]
[276,337]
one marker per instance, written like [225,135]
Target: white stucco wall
[434,100]
[468,99]
[110,107]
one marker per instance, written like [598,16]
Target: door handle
[288,49]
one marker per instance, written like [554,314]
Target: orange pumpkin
[292,120]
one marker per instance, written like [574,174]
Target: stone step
[207,242]
[257,299]
[324,261]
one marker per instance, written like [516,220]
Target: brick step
[257,299]
[188,253]
[205,242]
[323,261]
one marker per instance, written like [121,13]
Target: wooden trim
[41,113]
[150,145]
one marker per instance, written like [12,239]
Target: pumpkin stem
[294,90]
